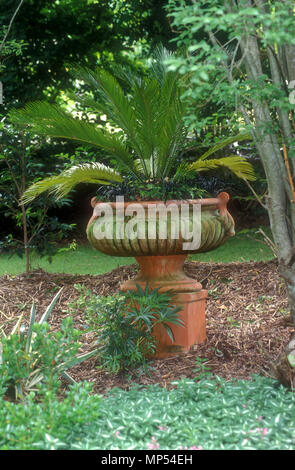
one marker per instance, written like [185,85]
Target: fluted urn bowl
[160,235]
[120,233]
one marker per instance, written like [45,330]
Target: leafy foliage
[188,188]
[217,64]
[35,229]
[62,184]
[32,359]
[50,423]
[213,414]
[53,32]
[247,57]
[124,324]
[148,308]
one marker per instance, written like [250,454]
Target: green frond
[51,121]
[158,67]
[224,143]
[62,184]
[114,102]
[88,102]
[235,163]
[183,172]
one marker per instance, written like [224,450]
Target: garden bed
[248,323]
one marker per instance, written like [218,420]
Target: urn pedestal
[161,260]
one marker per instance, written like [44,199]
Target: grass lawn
[247,246]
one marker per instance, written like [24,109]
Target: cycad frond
[114,102]
[235,163]
[62,184]
[50,120]
[224,143]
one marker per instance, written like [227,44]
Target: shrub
[125,323]
[33,359]
[52,423]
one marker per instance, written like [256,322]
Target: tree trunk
[280,200]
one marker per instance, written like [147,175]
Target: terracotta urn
[160,237]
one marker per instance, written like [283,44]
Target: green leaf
[17,325]
[77,360]
[30,330]
[62,184]
[49,309]
[50,120]
[237,164]
[68,377]
[230,140]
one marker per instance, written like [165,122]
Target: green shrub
[125,323]
[52,423]
[32,359]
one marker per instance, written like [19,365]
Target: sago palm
[147,136]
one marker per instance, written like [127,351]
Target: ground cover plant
[204,415]
[124,324]
[33,358]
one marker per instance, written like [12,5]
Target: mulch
[248,322]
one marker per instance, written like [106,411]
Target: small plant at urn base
[124,324]
[202,371]
[149,307]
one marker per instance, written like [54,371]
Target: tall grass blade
[49,309]
[30,330]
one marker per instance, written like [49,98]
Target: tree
[84,31]
[35,230]
[18,167]
[255,67]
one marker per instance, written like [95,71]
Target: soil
[248,322]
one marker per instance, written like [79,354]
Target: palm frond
[114,101]
[51,121]
[169,115]
[158,66]
[62,184]
[224,143]
[145,97]
[235,163]
[149,117]
[88,102]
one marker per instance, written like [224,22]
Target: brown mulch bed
[248,324]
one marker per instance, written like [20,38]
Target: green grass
[209,414]
[244,246]
[85,260]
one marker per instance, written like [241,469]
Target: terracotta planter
[161,260]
